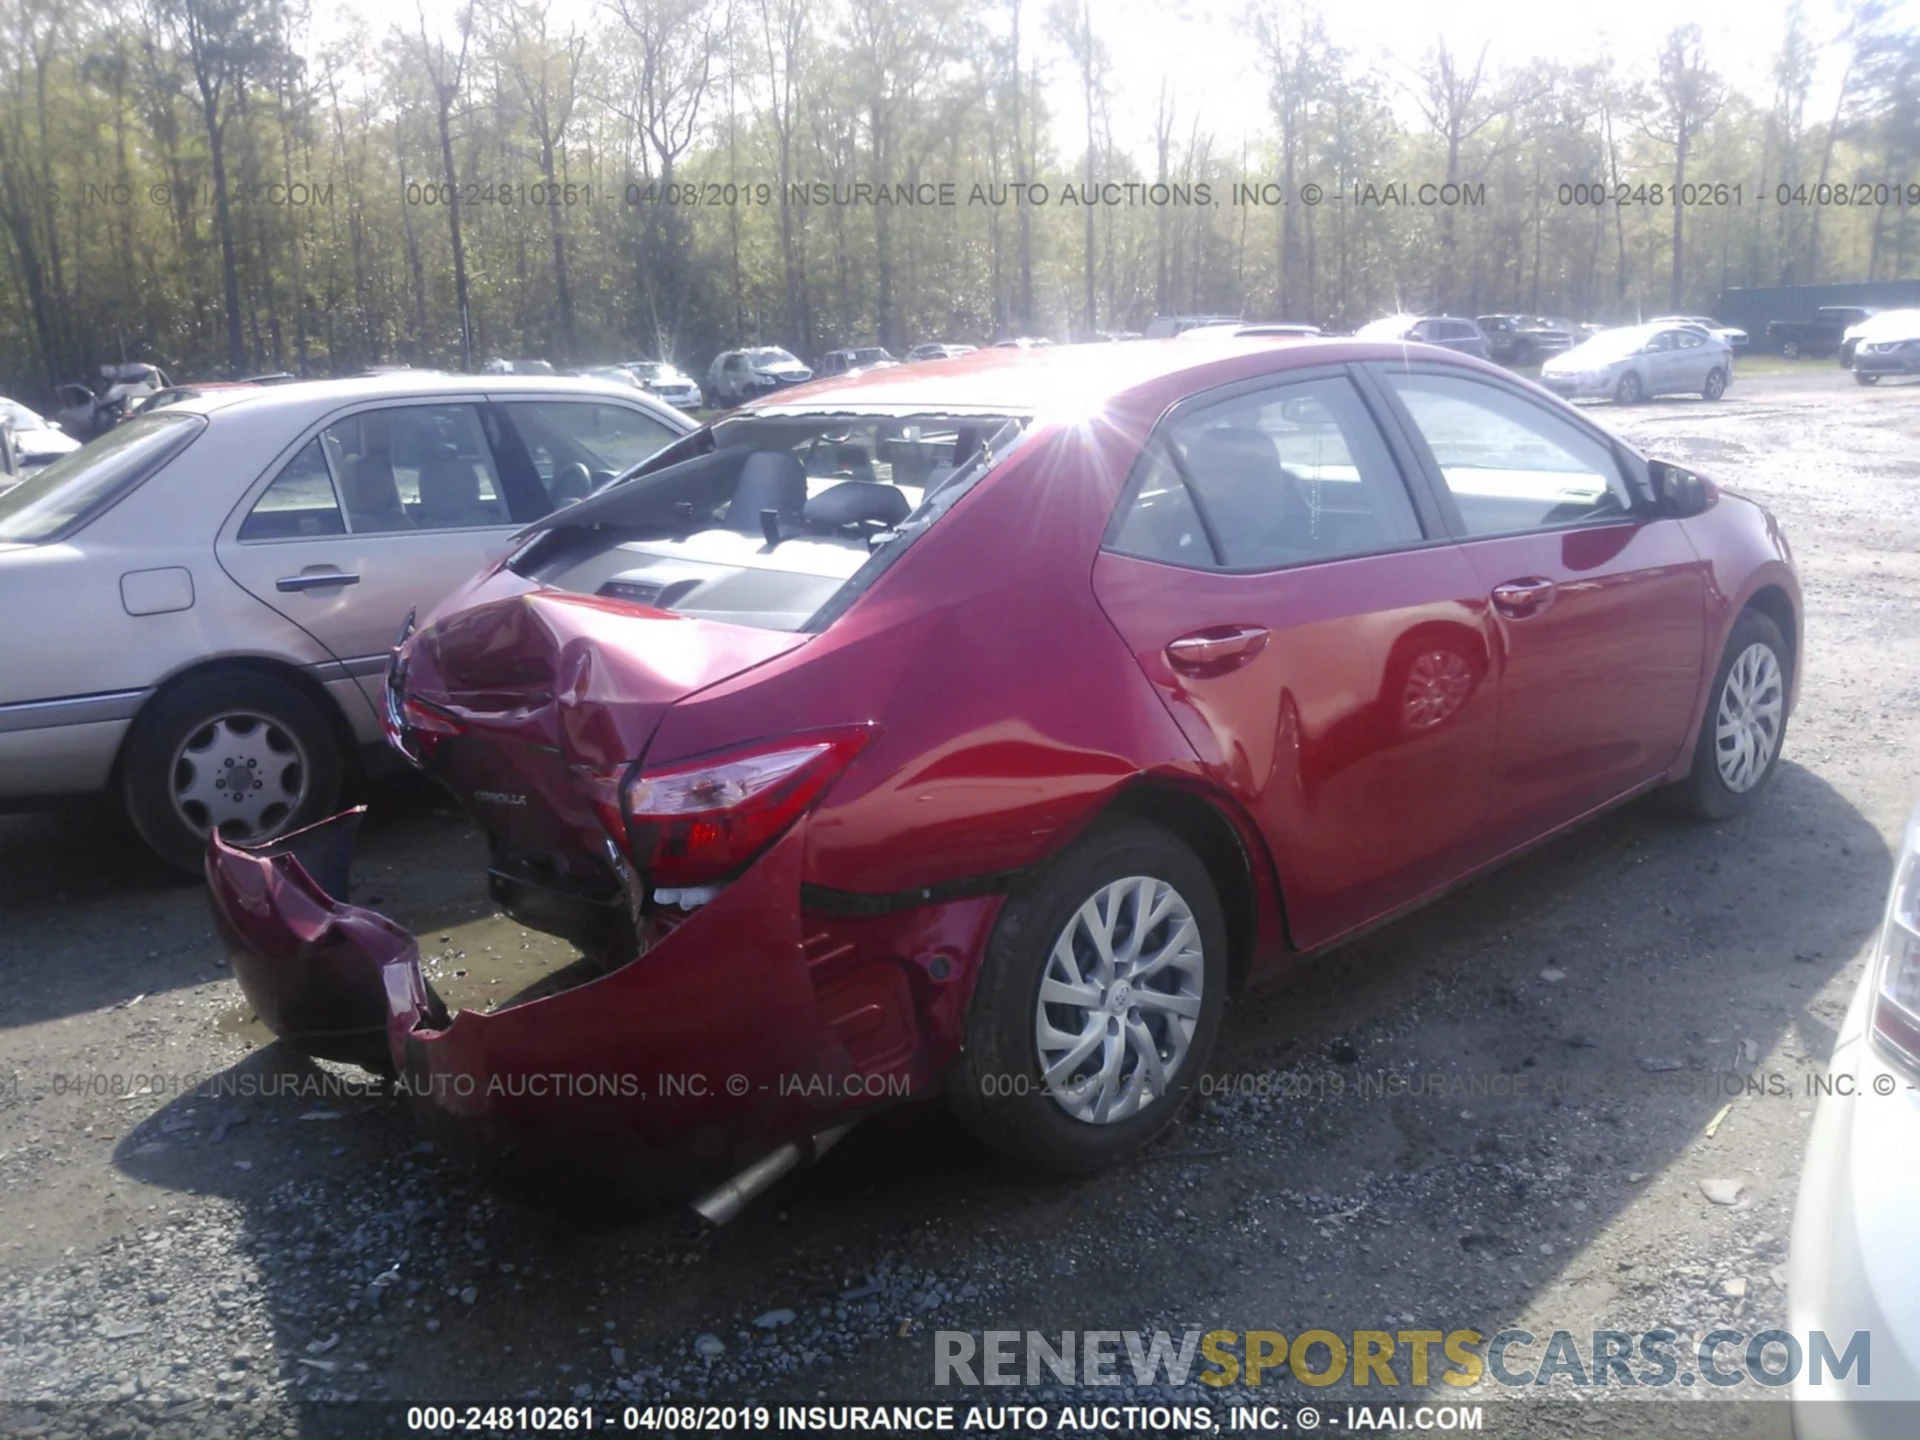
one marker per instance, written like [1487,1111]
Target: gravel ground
[177,1261]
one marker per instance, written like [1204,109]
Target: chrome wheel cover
[1119,1000]
[241,773]
[1746,725]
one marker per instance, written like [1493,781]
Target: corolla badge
[499,797]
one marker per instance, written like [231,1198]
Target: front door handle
[1216,651]
[1522,599]
[315,580]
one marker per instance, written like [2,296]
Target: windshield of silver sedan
[83,483]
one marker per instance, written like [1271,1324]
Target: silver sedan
[1637,362]
[201,602]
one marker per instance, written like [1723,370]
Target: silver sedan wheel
[1119,1000]
[1747,718]
[241,773]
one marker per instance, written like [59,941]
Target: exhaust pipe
[725,1201]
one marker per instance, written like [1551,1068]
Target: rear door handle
[1521,599]
[315,580]
[1216,650]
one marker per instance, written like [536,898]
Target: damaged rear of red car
[962,729]
[780,836]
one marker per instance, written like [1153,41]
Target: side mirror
[1678,493]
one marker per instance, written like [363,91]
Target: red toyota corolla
[980,728]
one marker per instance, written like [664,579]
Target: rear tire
[1860,377]
[1716,385]
[1102,1106]
[1745,725]
[190,741]
[1790,349]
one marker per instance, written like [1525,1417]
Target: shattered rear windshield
[772,521]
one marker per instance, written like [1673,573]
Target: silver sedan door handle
[315,580]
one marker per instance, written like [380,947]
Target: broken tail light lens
[702,820]
[413,727]
[1895,1017]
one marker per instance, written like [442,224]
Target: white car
[37,441]
[665,381]
[211,590]
[1637,362]
[737,376]
[1735,337]
[1252,330]
[1855,1260]
[1884,344]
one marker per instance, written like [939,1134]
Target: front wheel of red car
[1097,1004]
[1745,724]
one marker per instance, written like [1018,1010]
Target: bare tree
[1458,102]
[446,74]
[670,73]
[546,71]
[1685,97]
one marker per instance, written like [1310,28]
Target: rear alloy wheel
[1790,349]
[1716,385]
[1628,391]
[244,753]
[1745,723]
[1860,377]
[1097,1003]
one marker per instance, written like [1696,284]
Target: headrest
[852,501]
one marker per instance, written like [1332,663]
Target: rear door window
[300,502]
[1292,475]
[416,467]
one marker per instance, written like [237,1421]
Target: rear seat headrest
[769,480]
[853,501]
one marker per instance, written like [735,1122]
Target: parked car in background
[174,394]
[1522,339]
[1885,344]
[854,361]
[666,382]
[501,366]
[1022,342]
[1450,332]
[83,413]
[1819,336]
[1854,1264]
[37,440]
[1637,362]
[213,587]
[737,376]
[969,730]
[1252,329]
[1736,339]
[1164,327]
[936,350]
[10,470]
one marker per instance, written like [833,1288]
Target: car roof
[1078,378]
[397,385]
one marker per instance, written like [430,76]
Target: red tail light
[700,821]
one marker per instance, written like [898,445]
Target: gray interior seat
[450,494]
[373,499]
[770,480]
